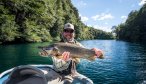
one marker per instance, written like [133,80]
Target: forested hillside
[134,29]
[41,20]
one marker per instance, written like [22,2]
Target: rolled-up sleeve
[60,64]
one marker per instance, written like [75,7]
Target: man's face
[68,34]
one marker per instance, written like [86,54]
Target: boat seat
[26,75]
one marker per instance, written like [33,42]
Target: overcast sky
[103,14]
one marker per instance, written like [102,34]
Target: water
[124,62]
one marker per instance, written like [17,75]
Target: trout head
[49,51]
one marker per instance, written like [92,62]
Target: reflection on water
[21,54]
[124,62]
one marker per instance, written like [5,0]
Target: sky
[104,14]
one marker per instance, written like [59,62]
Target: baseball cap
[69,26]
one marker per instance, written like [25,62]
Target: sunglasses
[68,31]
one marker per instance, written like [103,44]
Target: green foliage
[41,20]
[35,33]
[8,28]
[134,29]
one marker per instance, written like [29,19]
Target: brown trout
[57,49]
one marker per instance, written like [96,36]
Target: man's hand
[66,56]
[98,52]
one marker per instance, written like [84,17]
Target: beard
[68,39]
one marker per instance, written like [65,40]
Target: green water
[21,54]
[124,62]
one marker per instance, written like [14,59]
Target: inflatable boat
[38,74]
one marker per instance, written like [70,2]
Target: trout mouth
[45,53]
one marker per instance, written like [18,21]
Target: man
[66,65]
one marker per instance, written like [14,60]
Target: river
[124,63]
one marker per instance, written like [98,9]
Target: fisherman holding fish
[64,64]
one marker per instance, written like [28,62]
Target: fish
[57,49]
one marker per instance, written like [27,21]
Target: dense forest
[134,29]
[42,20]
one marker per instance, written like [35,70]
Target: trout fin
[101,56]
[59,56]
[92,58]
[77,60]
